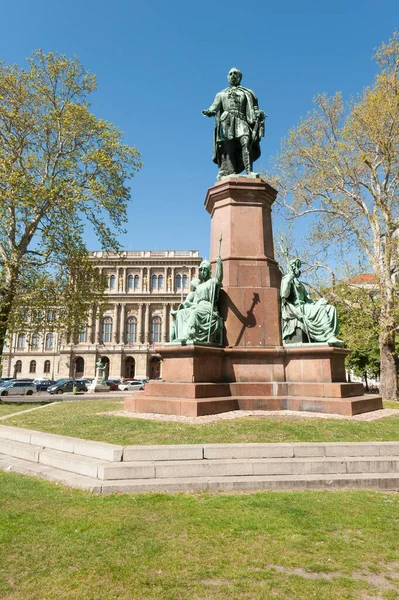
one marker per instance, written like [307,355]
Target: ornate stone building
[143,287]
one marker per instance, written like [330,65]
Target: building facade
[142,289]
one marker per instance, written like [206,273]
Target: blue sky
[159,64]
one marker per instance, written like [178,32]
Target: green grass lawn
[82,419]
[57,543]
[9,409]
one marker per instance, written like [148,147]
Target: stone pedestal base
[97,386]
[200,380]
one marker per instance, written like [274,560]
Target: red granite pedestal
[254,371]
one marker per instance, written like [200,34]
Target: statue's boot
[246,159]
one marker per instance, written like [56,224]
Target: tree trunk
[389,372]
[7,295]
[366,381]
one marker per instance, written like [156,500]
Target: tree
[359,312]
[340,168]
[60,168]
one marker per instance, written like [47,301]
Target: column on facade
[97,332]
[90,325]
[115,325]
[165,323]
[146,323]
[173,280]
[122,327]
[139,323]
[124,271]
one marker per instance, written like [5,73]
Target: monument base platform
[200,380]
[199,407]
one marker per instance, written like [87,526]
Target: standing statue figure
[100,371]
[239,125]
[313,321]
[197,318]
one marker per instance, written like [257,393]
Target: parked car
[17,388]
[131,386]
[43,384]
[63,386]
[113,385]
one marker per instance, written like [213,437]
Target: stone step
[254,467]
[259,450]
[379,481]
[29,452]
[24,467]
[198,407]
[89,448]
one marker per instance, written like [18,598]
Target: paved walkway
[268,414]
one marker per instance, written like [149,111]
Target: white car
[17,388]
[131,386]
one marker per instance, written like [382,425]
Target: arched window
[185,282]
[47,366]
[178,282]
[106,330]
[131,330]
[32,366]
[156,329]
[130,282]
[49,343]
[136,282]
[18,366]
[79,365]
[160,282]
[35,340]
[82,337]
[154,282]
[21,341]
[50,315]
[112,281]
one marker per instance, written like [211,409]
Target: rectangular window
[82,338]
[20,342]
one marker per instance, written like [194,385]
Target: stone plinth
[253,371]
[240,210]
[200,380]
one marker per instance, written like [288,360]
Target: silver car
[130,386]
[17,388]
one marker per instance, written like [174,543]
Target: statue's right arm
[214,107]
[219,269]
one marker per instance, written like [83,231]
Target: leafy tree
[339,168]
[359,312]
[61,167]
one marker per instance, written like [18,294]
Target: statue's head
[205,270]
[295,266]
[234,76]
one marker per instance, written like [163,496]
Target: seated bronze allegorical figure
[303,319]
[197,319]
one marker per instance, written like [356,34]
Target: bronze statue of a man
[239,125]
